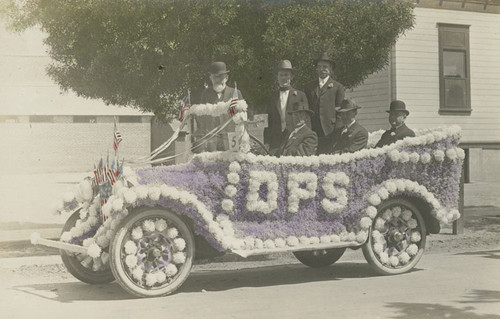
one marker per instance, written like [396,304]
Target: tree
[146,54]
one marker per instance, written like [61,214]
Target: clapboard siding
[416,76]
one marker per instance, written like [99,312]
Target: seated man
[302,141]
[353,136]
[399,130]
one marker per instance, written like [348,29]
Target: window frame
[443,108]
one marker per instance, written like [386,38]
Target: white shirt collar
[323,81]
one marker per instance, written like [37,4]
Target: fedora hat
[300,107]
[284,65]
[324,57]
[310,112]
[346,106]
[398,105]
[217,68]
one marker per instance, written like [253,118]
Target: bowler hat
[398,105]
[284,65]
[217,68]
[324,57]
[347,105]
[300,107]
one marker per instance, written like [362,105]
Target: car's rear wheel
[82,266]
[319,258]
[397,238]
[152,253]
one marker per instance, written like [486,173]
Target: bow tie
[284,89]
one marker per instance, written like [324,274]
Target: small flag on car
[117,138]
[234,101]
[184,107]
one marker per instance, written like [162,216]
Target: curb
[7,236]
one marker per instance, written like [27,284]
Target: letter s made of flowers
[335,197]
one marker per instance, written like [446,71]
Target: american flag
[118,138]
[184,107]
[234,101]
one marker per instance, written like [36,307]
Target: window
[454,71]
[84,119]
[129,119]
[41,119]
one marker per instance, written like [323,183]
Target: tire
[75,262]
[397,240]
[147,260]
[319,258]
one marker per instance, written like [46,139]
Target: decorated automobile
[143,226]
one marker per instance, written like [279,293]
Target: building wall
[67,147]
[417,72]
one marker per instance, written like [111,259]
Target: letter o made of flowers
[254,203]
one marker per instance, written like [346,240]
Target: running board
[245,253]
[37,240]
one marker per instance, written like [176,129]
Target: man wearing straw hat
[397,116]
[353,137]
[282,101]
[324,94]
[217,92]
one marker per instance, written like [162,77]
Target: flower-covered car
[385,200]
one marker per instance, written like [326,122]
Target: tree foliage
[146,54]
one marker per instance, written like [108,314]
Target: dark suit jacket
[205,123]
[353,140]
[272,133]
[302,142]
[393,135]
[323,102]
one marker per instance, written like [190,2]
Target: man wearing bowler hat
[217,92]
[353,137]
[399,130]
[284,100]
[302,141]
[324,94]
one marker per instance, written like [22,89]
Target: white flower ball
[94,250]
[148,225]
[325,239]
[365,222]
[137,233]
[180,244]
[343,236]
[384,258]
[172,232]
[378,248]
[68,197]
[234,167]
[130,196]
[304,240]
[351,236]
[259,244]
[383,193]
[154,193]
[292,241]
[150,279]
[394,261]
[269,244]
[280,242]
[130,248]
[230,190]
[238,244]
[391,187]
[361,236]
[102,241]
[387,215]
[377,236]
[106,209]
[452,154]
[142,191]
[233,178]
[371,212]
[380,224]
[460,153]
[412,250]
[394,155]
[414,157]
[404,258]
[438,155]
[179,258]
[161,224]
[404,157]
[374,199]
[425,158]
[137,273]
[118,204]
[412,223]
[249,242]
[170,270]
[88,241]
[406,214]
[131,261]
[314,240]
[415,236]
[160,277]
[227,205]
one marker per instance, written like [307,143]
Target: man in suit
[324,94]
[353,136]
[217,92]
[399,130]
[281,102]
[302,141]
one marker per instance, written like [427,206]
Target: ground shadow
[483,296]
[427,310]
[491,254]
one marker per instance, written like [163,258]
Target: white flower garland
[217,109]
[296,194]
[231,190]
[256,179]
